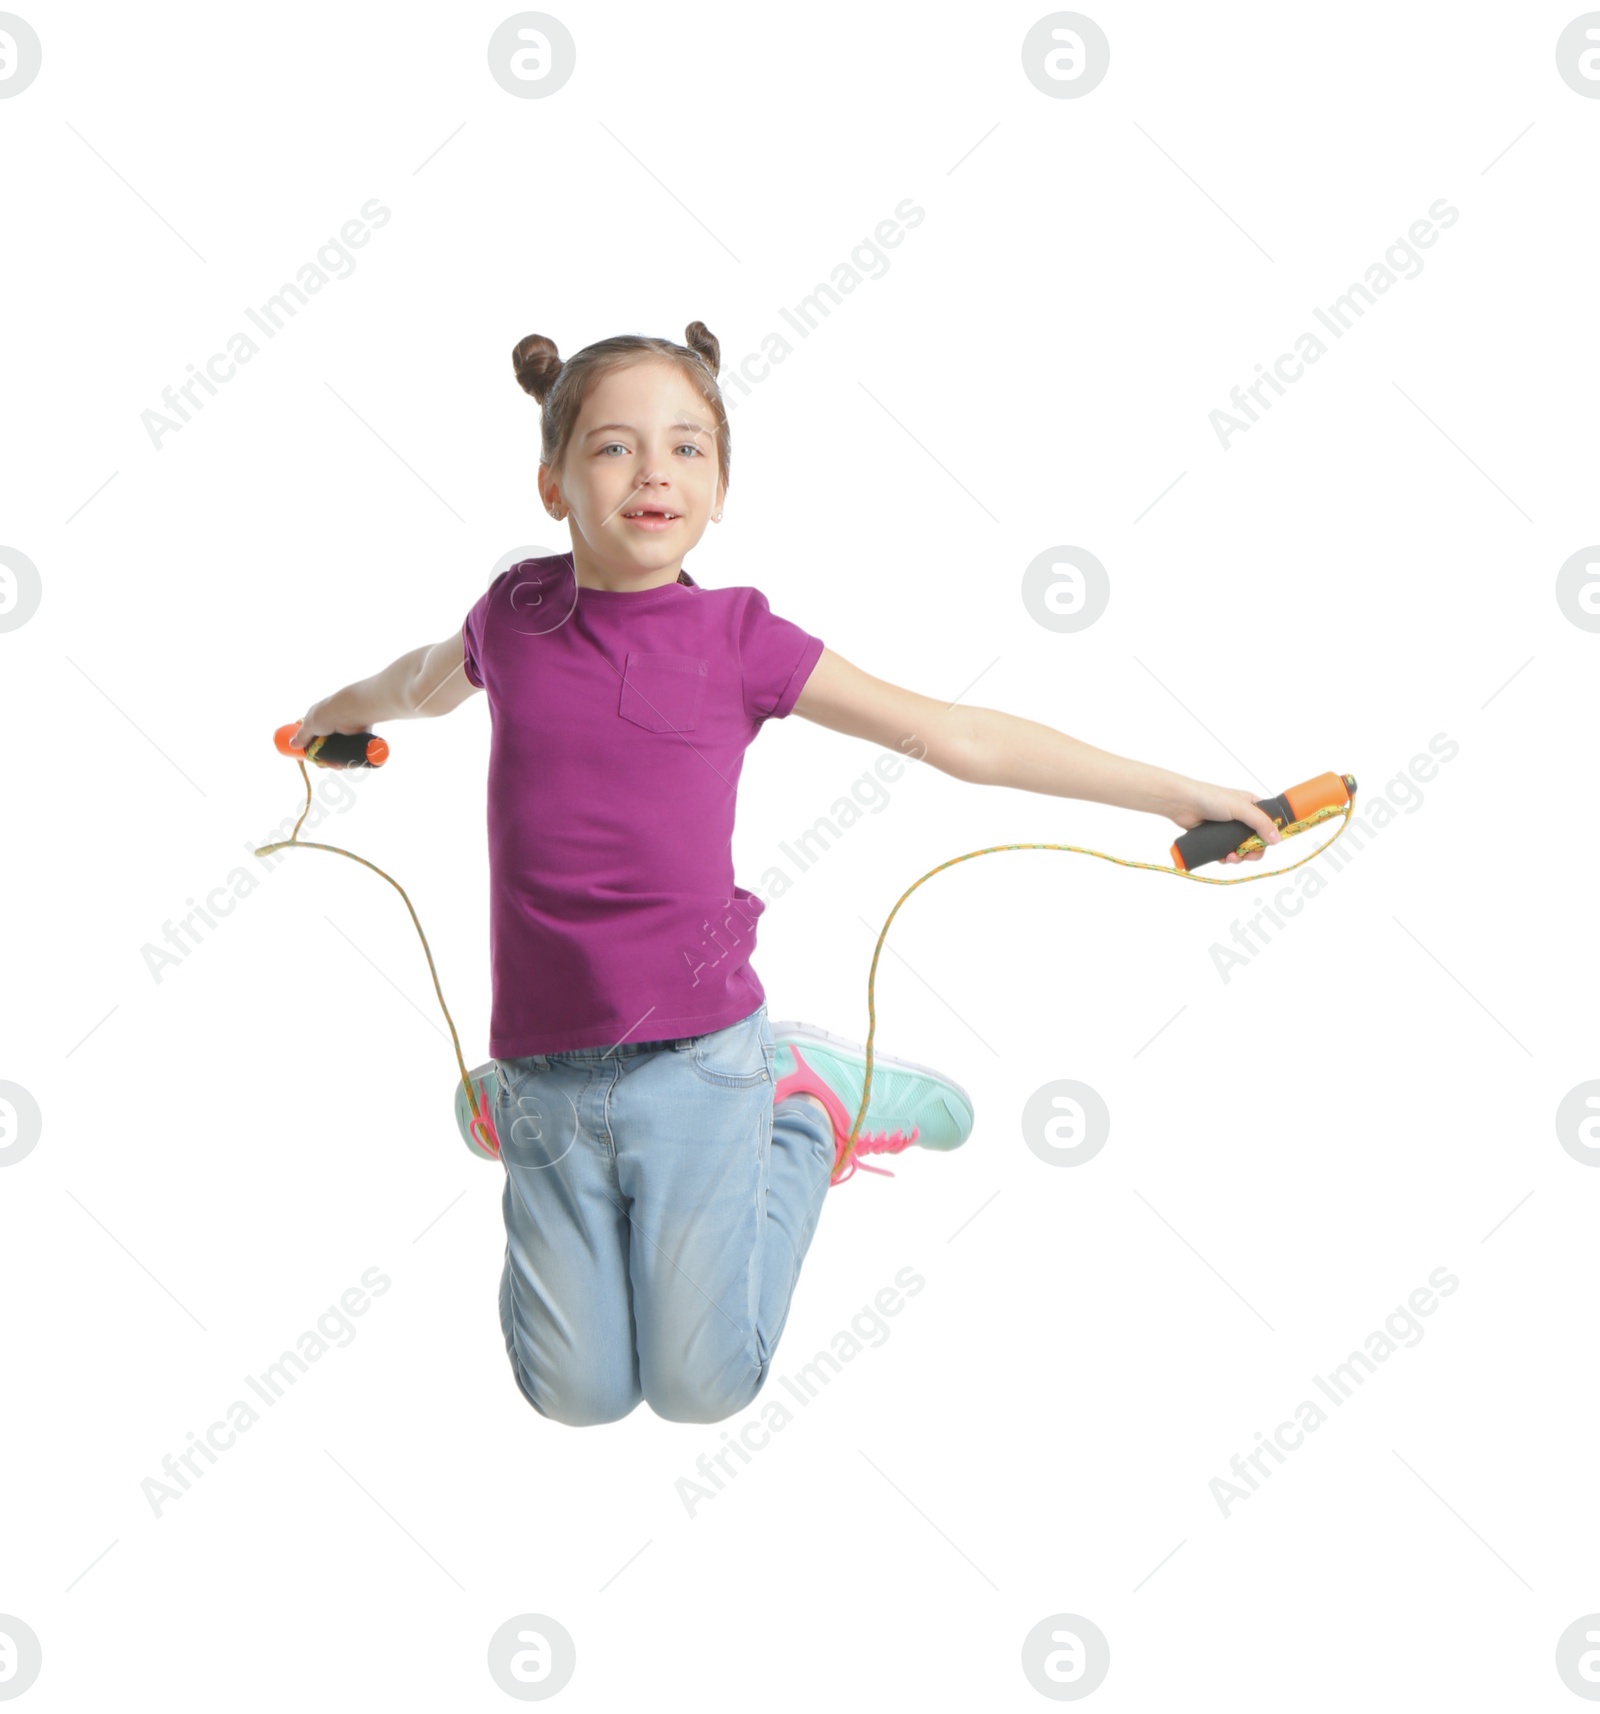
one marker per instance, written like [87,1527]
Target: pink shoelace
[878,1143]
[803,1079]
[483,1126]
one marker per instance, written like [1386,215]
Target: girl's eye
[688,443]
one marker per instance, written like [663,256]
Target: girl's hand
[332,714]
[1202,802]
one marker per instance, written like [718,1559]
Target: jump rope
[1291,812]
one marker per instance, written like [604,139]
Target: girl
[667,1149]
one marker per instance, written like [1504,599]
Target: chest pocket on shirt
[663,693]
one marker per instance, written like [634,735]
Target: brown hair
[561,387]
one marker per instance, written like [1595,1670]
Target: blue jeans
[658,1206]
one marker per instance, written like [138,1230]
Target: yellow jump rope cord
[1251,844]
[309,845]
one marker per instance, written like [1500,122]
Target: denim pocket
[535,1115]
[513,1072]
[663,693]
[739,1057]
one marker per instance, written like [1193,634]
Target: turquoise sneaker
[486,1086]
[910,1103]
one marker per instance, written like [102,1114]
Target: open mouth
[650,517]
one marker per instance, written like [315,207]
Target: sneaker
[479,1134]
[910,1103]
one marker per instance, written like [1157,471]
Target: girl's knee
[577,1405]
[684,1398]
[579,1409]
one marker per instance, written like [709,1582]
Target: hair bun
[536,363]
[703,342]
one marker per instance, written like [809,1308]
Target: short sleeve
[775,659]
[474,629]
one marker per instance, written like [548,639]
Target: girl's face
[645,439]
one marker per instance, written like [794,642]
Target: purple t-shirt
[619,723]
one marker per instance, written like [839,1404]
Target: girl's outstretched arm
[987,747]
[430,680]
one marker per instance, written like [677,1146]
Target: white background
[1292,1152]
